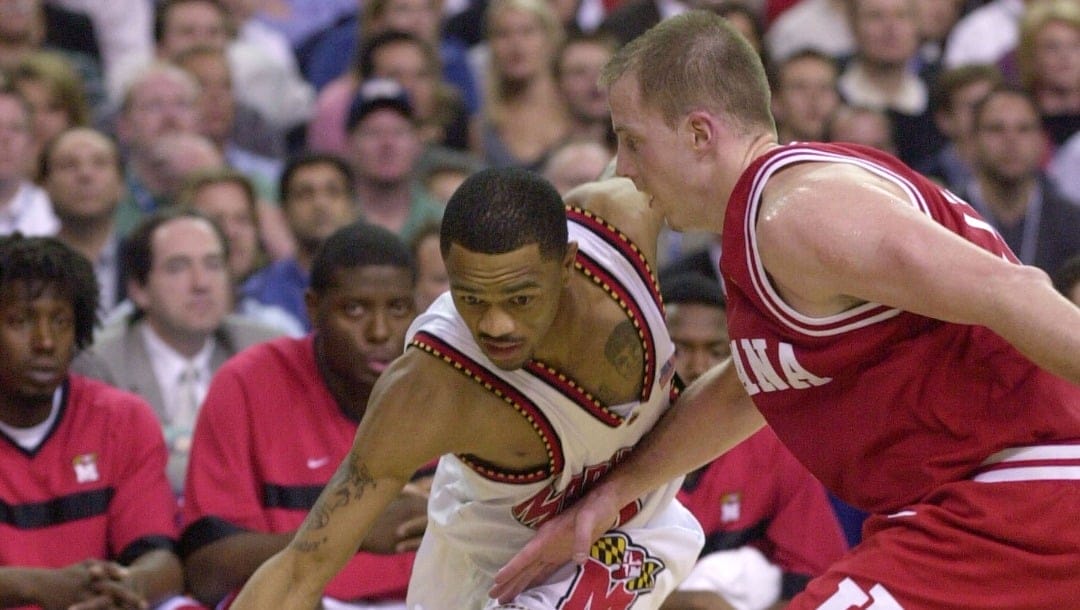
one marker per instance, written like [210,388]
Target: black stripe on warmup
[65,509]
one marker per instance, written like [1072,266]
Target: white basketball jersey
[479,515]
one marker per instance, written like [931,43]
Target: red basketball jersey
[882,405]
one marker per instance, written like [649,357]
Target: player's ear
[701,128]
[568,261]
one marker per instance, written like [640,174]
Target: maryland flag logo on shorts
[617,572]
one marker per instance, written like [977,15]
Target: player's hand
[566,537]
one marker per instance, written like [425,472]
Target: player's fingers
[509,589]
[411,528]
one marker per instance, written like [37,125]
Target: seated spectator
[804,96]
[1011,190]
[412,62]
[23,206]
[160,99]
[80,171]
[28,27]
[228,198]
[246,493]
[431,277]
[1048,58]
[954,95]
[385,152]
[89,521]
[936,19]
[769,526]
[442,170]
[56,97]
[523,116]
[217,105]
[881,74]
[278,94]
[861,125]
[181,331]
[317,199]
[1067,279]
[577,73]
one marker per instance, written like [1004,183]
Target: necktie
[178,432]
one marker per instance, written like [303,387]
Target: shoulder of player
[816,186]
[417,378]
[620,204]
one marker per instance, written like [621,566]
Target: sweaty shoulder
[620,204]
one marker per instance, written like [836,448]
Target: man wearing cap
[384,150]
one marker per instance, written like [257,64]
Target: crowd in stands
[212,165]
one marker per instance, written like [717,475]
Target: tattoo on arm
[347,485]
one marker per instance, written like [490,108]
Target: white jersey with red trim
[479,516]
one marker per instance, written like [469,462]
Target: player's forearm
[222,566]
[156,575]
[713,415]
[1040,323]
[279,583]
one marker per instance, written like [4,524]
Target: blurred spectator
[986,35]
[181,331]
[123,32]
[1011,191]
[228,198]
[317,199]
[246,494]
[25,28]
[804,96]
[822,25]
[442,170]
[160,100]
[300,20]
[954,95]
[1067,279]
[769,527]
[936,19]
[88,518]
[630,18]
[80,170]
[742,18]
[385,151]
[410,61]
[861,125]
[1048,58]
[280,96]
[23,206]
[574,163]
[423,18]
[881,75]
[577,73]
[217,105]
[523,115]
[55,94]
[431,277]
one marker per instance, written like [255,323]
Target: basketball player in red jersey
[881,328]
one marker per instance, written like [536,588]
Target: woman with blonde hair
[1048,57]
[523,116]
[56,96]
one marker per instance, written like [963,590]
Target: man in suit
[181,330]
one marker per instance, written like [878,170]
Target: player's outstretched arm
[398,434]
[716,403]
